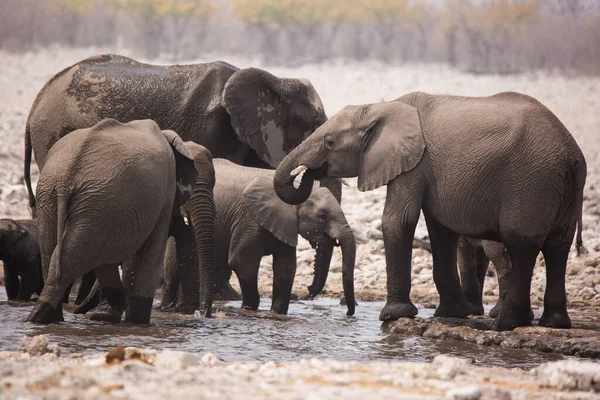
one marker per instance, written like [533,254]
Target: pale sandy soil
[32,374]
[575,100]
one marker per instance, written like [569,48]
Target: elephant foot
[497,309]
[476,309]
[167,306]
[185,309]
[454,308]
[226,293]
[555,319]
[44,313]
[139,310]
[396,309]
[89,303]
[511,318]
[105,312]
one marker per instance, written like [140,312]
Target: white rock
[570,375]
[172,359]
[464,393]
[36,345]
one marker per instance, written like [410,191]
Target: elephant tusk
[298,170]
[345,183]
[316,185]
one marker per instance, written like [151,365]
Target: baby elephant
[106,195]
[20,253]
[253,222]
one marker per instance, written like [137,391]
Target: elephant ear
[265,207]
[185,169]
[394,143]
[270,114]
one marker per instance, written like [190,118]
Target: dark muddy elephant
[20,254]
[246,115]
[106,195]
[499,168]
[253,222]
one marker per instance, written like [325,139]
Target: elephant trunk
[295,175]
[322,263]
[202,212]
[348,246]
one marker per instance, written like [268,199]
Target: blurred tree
[72,12]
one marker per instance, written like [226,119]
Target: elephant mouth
[303,174]
[324,239]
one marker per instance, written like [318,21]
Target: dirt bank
[131,373]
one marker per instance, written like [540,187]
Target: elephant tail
[62,200]
[27,171]
[580,175]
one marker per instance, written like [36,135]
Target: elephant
[246,115]
[20,254]
[501,168]
[107,195]
[252,222]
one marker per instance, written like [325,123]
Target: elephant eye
[328,142]
[322,215]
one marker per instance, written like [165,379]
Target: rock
[570,375]
[464,393]
[446,367]
[37,346]
[172,359]
[211,360]
[115,355]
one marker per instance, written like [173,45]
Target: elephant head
[375,142]
[201,210]
[320,220]
[272,115]
[10,233]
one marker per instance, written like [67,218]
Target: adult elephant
[253,222]
[107,195]
[248,116]
[501,168]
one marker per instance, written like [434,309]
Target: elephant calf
[20,253]
[106,195]
[253,222]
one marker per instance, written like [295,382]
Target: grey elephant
[106,195]
[253,222]
[246,115]
[20,254]
[500,168]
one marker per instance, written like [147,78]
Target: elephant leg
[497,253]
[555,298]
[284,271]
[223,289]
[472,265]
[112,291]
[48,308]
[11,281]
[445,272]
[171,276]
[145,272]
[399,221]
[85,287]
[517,304]
[91,301]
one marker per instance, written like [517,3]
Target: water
[316,328]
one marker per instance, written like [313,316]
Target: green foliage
[160,8]
[77,7]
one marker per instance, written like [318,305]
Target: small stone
[115,355]
[172,359]
[211,360]
[34,345]
[570,375]
[464,393]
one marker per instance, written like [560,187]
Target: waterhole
[318,328]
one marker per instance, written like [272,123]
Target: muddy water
[317,328]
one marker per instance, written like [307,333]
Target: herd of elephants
[184,174]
